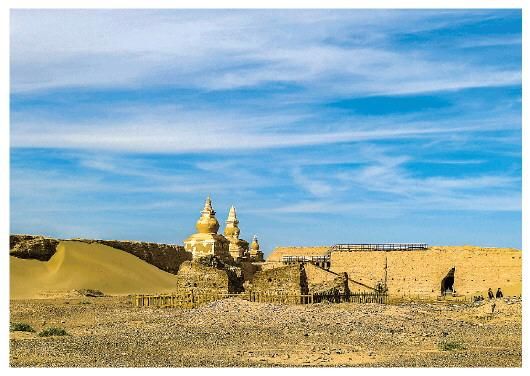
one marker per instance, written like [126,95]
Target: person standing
[490,294]
[499,294]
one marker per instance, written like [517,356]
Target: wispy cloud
[228,50]
[308,121]
[178,132]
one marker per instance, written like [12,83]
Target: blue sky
[319,126]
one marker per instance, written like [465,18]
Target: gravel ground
[108,332]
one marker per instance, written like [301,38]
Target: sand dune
[78,265]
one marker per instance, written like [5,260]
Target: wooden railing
[354,297]
[193,299]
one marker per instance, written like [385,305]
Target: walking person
[499,294]
[490,294]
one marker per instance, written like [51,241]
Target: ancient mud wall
[323,281]
[279,252]
[267,265]
[316,275]
[248,269]
[413,273]
[167,257]
[288,279]
[194,275]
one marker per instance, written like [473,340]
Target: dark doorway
[448,283]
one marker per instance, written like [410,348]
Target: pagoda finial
[207,223]
[208,206]
[232,215]
[231,229]
[255,245]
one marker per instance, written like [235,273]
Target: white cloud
[195,132]
[227,50]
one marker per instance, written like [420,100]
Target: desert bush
[53,331]
[20,327]
[451,346]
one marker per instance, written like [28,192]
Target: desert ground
[108,331]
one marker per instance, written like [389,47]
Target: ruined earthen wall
[268,265]
[363,267]
[32,247]
[15,239]
[248,269]
[287,279]
[316,275]
[323,281]
[167,257]
[413,273]
[279,252]
[193,275]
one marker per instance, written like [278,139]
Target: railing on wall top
[314,259]
[379,247]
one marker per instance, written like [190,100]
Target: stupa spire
[255,244]
[255,253]
[207,223]
[208,206]
[232,229]
[232,215]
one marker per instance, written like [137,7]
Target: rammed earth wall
[413,273]
[288,279]
[279,252]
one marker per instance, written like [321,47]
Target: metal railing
[379,247]
[314,259]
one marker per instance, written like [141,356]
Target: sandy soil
[77,265]
[109,332]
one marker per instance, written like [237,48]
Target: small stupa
[207,242]
[237,247]
[255,253]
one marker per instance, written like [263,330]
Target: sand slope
[78,265]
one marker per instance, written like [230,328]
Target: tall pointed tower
[238,247]
[206,242]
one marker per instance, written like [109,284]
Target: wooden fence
[354,297]
[192,299]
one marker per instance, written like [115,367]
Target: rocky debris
[236,333]
[15,239]
[32,247]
